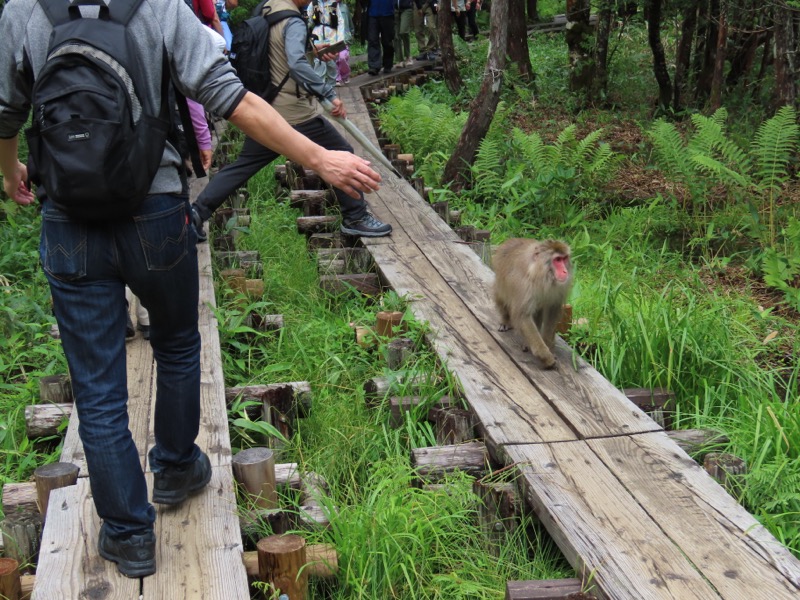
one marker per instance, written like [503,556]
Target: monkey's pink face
[561,267]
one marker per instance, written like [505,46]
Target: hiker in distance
[293,93]
[149,245]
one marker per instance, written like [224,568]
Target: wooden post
[432,464]
[658,403]
[547,589]
[55,389]
[323,561]
[400,405]
[698,441]
[377,388]
[443,210]
[398,352]
[10,588]
[42,420]
[236,280]
[453,425]
[280,558]
[368,284]
[321,224]
[498,512]
[52,477]
[727,469]
[254,470]
[387,323]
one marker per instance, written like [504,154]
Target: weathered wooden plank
[199,547]
[508,406]
[603,532]
[587,401]
[69,566]
[729,546]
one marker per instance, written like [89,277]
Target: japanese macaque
[532,281]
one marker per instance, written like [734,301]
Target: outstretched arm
[343,170]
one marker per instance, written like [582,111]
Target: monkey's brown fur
[527,292]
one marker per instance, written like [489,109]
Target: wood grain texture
[69,565]
[726,543]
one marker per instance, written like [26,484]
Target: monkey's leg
[550,319]
[505,317]
[535,342]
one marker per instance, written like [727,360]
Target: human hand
[338,109]
[205,159]
[14,185]
[348,172]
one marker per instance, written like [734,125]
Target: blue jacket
[381,8]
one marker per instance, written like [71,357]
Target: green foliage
[420,126]
[781,268]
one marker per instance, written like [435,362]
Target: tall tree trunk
[532,7]
[785,91]
[719,58]
[684,53]
[578,36]
[456,171]
[600,82]
[653,11]
[444,20]
[710,35]
[518,40]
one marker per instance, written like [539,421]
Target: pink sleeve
[200,125]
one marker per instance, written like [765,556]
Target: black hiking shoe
[135,555]
[174,484]
[366,226]
[145,329]
[130,332]
[202,236]
[373,72]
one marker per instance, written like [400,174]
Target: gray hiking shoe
[366,226]
[173,485]
[135,555]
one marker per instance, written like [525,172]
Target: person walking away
[472,7]
[151,248]
[403,21]
[458,8]
[297,102]
[327,27]
[425,29]
[380,36]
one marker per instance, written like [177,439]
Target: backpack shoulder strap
[280,15]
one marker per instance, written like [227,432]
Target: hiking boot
[130,332]
[197,221]
[373,72]
[173,485]
[367,226]
[145,329]
[387,70]
[135,555]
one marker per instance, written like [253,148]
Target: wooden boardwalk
[199,544]
[630,510]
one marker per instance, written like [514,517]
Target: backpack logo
[79,137]
[89,91]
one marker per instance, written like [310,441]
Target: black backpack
[94,147]
[250,53]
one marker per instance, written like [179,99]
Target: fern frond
[670,149]
[724,174]
[775,143]
[586,148]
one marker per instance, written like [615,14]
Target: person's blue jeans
[87,266]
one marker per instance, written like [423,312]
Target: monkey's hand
[504,327]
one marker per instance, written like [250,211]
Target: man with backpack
[293,90]
[97,236]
